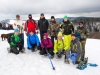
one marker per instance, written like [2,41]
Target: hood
[45,34]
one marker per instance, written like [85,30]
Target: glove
[18,43]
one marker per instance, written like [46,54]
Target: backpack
[32,21]
[9,38]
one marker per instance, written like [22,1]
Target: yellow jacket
[58,45]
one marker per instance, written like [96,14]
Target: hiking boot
[22,51]
[66,61]
[81,63]
[52,56]
[45,54]
[85,60]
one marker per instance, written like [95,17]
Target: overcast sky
[58,8]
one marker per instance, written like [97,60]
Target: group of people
[57,39]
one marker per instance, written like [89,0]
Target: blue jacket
[32,40]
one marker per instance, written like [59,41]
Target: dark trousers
[50,51]
[52,39]
[15,50]
[22,39]
[41,34]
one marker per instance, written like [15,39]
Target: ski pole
[50,60]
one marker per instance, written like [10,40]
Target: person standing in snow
[20,26]
[76,50]
[67,29]
[46,44]
[53,29]
[30,25]
[43,25]
[32,41]
[15,42]
[59,45]
[82,33]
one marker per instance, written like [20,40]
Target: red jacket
[30,25]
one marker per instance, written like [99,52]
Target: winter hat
[74,35]
[42,14]
[29,15]
[16,30]
[65,17]
[45,34]
[52,17]
[59,34]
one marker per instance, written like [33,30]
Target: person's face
[18,18]
[17,33]
[44,37]
[41,16]
[59,37]
[65,19]
[31,33]
[73,37]
[81,25]
[52,19]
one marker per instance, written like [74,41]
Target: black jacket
[68,27]
[43,24]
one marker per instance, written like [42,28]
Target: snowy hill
[31,63]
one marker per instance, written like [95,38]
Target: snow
[31,63]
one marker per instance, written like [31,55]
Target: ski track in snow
[31,63]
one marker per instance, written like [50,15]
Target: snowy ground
[33,64]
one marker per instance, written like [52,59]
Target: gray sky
[58,8]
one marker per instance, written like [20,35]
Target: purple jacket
[46,42]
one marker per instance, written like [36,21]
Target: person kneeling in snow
[32,41]
[15,43]
[76,50]
[59,45]
[46,44]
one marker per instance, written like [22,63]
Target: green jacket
[58,45]
[14,39]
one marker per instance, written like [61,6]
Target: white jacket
[19,25]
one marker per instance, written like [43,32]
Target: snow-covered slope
[33,64]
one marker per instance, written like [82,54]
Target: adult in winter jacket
[67,29]
[76,50]
[30,25]
[32,41]
[43,25]
[83,32]
[20,26]
[46,44]
[53,29]
[59,45]
[15,43]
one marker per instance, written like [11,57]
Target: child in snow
[46,44]
[59,45]
[15,43]
[32,41]
[76,50]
